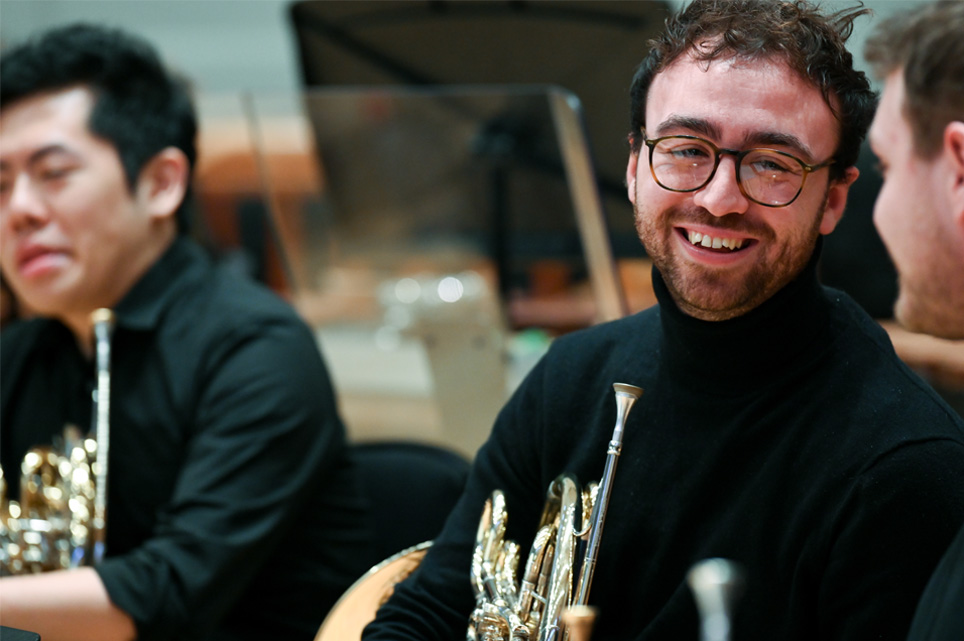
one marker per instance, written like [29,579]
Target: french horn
[549,602]
[552,584]
[60,519]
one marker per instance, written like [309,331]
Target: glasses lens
[771,178]
[682,163]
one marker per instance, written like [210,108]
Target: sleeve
[264,430]
[436,601]
[898,521]
[938,616]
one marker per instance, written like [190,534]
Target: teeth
[697,238]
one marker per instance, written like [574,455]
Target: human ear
[631,175]
[163,182]
[953,152]
[836,201]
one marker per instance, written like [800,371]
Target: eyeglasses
[766,176]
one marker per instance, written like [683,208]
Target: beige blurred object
[637,278]
[938,359]
[357,607]
[578,621]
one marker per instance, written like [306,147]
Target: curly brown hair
[809,41]
[927,45]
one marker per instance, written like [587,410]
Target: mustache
[680,216]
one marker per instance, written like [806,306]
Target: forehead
[51,118]
[889,128]
[742,101]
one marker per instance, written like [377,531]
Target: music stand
[397,239]
[589,47]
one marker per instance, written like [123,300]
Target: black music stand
[589,47]
[403,214]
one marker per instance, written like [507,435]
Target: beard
[720,293]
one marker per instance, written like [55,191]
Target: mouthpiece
[716,584]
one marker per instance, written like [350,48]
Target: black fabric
[13,634]
[411,488]
[791,440]
[940,614]
[233,508]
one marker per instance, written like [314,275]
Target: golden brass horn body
[60,519]
[551,585]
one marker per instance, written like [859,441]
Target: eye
[771,164]
[54,173]
[689,151]
[684,150]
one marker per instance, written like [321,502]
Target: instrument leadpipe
[626,396]
[103,321]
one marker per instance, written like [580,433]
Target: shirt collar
[142,307]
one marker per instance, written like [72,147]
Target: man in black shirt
[233,510]
[918,136]
[777,427]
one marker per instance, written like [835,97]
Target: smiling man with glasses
[777,427]
[725,202]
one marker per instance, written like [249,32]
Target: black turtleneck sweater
[791,440]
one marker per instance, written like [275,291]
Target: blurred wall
[229,45]
[222,45]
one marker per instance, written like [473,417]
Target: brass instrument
[549,603]
[61,517]
[551,585]
[716,584]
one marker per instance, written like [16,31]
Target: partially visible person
[777,428]
[918,137]
[8,303]
[233,508]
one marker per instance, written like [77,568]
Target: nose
[23,206]
[722,195]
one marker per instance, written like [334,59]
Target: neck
[140,259]
[736,355]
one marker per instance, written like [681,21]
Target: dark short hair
[139,107]
[811,43]
[927,44]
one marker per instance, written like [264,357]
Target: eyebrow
[706,128]
[696,125]
[40,154]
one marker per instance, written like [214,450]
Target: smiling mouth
[720,243]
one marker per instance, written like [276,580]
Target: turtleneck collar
[745,352]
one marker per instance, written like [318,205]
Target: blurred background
[233,45]
[437,186]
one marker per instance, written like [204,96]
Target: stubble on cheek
[711,293]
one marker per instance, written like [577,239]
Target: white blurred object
[457,320]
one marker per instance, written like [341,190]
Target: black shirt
[233,511]
[791,440]
[940,614]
